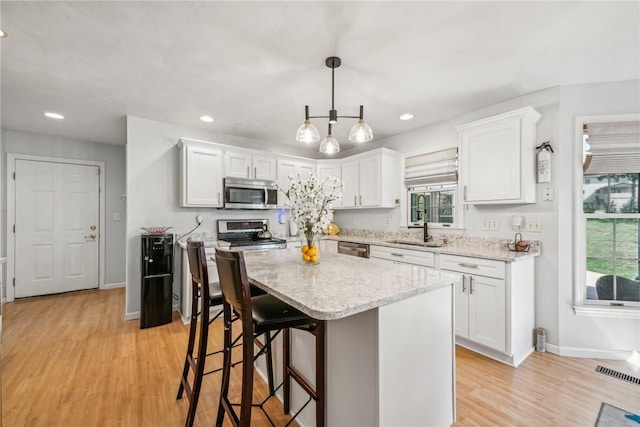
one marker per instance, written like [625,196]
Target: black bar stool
[204,295]
[262,315]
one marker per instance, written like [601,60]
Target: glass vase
[310,248]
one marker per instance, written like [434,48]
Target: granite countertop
[339,286]
[494,249]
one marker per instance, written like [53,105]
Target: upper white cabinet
[243,164]
[292,167]
[497,157]
[371,179]
[200,174]
[330,168]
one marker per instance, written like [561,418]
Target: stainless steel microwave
[240,193]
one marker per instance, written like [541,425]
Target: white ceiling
[254,65]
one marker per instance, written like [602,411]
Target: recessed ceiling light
[207,119]
[407,116]
[54,115]
[2,34]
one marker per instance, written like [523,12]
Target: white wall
[153,191]
[114,158]
[554,267]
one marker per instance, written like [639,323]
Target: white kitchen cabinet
[403,256]
[497,158]
[200,174]
[371,179]
[243,164]
[330,168]
[292,167]
[494,306]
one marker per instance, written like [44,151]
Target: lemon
[312,251]
[306,257]
[304,249]
[314,259]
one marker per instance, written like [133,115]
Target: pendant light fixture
[308,132]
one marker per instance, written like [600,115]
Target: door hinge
[14,229]
[14,176]
[14,282]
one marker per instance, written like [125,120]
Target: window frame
[581,305]
[436,188]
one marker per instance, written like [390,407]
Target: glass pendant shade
[329,145]
[307,133]
[360,132]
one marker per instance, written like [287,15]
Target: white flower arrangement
[311,201]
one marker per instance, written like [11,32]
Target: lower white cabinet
[403,256]
[494,306]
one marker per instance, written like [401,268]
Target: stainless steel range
[245,234]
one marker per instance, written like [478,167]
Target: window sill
[607,311]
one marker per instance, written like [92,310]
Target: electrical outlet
[199,219]
[534,225]
[387,221]
[116,216]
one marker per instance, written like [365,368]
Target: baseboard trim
[132,316]
[588,353]
[114,285]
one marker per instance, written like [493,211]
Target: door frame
[11,205]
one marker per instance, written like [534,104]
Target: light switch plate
[534,225]
[547,193]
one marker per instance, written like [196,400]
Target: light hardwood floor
[71,360]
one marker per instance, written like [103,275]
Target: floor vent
[618,375]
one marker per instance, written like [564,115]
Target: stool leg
[269,363]
[286,376]
[247,372]
[320,373]
[202,356]
[226,365]
[190,345]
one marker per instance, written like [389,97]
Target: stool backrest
[234,282]
[199,275]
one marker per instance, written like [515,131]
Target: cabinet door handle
[248,173]
[470,285]
[218,197]
[462,264]
[355,200]
[361,200]
[464,288]
[395,254]
[464,192]
[255,172]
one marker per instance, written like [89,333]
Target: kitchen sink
[414,243]
[406,242]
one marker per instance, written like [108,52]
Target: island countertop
[340,285]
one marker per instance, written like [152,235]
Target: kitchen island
[389,336]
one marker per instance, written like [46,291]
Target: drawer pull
[464,289]
[395,254]
[470,285]
[462,264]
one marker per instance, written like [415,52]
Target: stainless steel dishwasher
[354,249]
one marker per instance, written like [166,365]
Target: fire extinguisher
[544,162]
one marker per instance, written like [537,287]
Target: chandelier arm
[332,87]
[318,117]
[349,117]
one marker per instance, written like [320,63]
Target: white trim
[579,243]
[628,312]
[10,220]
[589,353]
[114,285]
[132,316]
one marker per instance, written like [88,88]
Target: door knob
[91,236]
[93,227]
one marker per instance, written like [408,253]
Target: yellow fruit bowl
[332,229]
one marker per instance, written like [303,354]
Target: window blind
[438,167]
[614,148]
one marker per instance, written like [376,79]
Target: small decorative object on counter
[518,245]
[332,229]
[155,230]
[311,201]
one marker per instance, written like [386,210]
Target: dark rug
[610,416]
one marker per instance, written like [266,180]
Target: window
[432,184]
[610,212]
[437,202]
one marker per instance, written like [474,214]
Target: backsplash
[447,239]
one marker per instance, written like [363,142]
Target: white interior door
[57,223]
